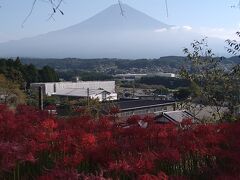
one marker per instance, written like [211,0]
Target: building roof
[78,92]
[125,105]
[71,82]
[175,116]
[129,74]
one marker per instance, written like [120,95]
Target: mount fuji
[108,34]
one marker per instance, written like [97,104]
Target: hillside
[115,66]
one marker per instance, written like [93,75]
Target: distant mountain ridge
[108,34]
[118,66]
[111,19]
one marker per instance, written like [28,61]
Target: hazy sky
[210,17]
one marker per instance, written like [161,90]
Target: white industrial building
[103,90]
[132,77]
[101,95]
[162,74]
[129,77]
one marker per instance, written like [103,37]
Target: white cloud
[175,28]
[218,32]
[161,30]
[221,33]
[188,28]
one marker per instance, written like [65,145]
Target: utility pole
[133,93]
[40,96]
[88,94]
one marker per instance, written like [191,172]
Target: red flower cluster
[34,145]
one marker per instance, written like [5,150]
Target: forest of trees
[171,83]
[15,79]
[20,73]
[84,75]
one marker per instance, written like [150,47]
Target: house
[175,117]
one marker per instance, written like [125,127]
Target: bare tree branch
[166,3]
[55,4]
[30,13]
[236,6]
[121,9]
[55,7]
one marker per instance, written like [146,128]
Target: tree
[217,87]
[31,74]
[182,94]
[48,74]
[161,91]
[10,92]
[234,45]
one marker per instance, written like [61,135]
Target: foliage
[48,74]
[168,82]
[34,145]
[215,86]
[75,66]
[161,91]
[110,66]
[10,92]
[18,73]
[234,45]
[84,76]
[182,94]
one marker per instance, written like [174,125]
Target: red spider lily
[30,158]
[49,124]
[160,176]
[120,166]
[32,143]
[133,119]
[50,107]
[73,160]
[88,139]
[104,136]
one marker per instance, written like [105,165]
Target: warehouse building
[103,90]
[78,93]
